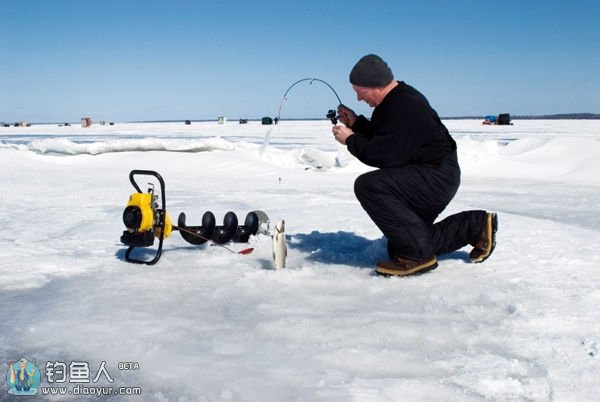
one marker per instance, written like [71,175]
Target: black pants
[404,203]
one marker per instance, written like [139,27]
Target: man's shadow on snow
[339,248]
[349,249]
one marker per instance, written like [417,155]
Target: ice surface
[205,324]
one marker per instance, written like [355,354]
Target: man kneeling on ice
[418,173]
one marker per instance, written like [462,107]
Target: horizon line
[557,116]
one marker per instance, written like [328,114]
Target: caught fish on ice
[279,245]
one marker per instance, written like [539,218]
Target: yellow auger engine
[145,219]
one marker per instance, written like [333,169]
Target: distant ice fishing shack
[502,119]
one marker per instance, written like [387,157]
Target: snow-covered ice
[206,324]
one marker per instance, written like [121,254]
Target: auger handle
[163,213]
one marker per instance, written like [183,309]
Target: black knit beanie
[371,71]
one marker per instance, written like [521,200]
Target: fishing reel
[332,115]
[145,218]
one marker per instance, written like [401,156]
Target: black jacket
[404,129]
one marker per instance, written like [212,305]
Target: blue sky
[128,60]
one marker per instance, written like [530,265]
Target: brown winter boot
[403,267]
[486,244]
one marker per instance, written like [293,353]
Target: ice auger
[146,219]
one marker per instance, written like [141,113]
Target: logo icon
[23,377]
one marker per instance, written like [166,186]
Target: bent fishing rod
[331,114]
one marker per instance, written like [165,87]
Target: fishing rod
[310,83]
[331,114]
